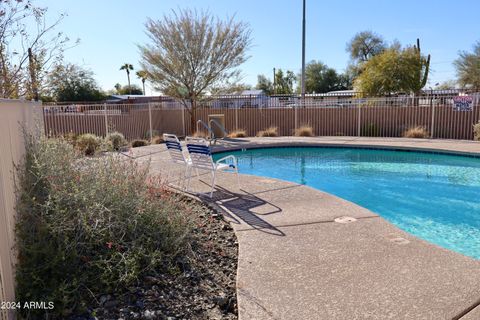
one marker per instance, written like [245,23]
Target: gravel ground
[203,286]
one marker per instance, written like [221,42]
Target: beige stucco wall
[14,116]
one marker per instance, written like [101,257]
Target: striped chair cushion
[198,148]
[173,145]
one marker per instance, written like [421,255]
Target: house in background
[244,99]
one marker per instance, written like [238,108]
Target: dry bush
[269,132]
[304,131]
[416,132]
[139,143]
[200,134]
[239,133]
[476,131]
[157,140]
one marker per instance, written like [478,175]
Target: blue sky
[110,30]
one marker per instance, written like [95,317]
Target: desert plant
[239,133]
[139,143]
[90,227]
[476,131]
[88,144]
[71,137]
[304,131]
[157,140]
[269,132]
[117,140]
[416,132]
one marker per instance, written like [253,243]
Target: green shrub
[117,140]
[139,143]
[476,131]
[90,226]
[88,144]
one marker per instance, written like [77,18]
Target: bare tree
[29,47]
[192,52]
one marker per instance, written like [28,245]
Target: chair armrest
[229,157]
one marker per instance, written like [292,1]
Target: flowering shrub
[90,226]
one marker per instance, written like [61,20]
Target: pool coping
[413,145]
[260,279]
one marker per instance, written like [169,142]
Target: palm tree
[117,87]
[142,74]
[127,67]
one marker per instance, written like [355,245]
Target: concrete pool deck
[295,262]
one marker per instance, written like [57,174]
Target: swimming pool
[433,196]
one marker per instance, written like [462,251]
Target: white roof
[252,92]
[125,96]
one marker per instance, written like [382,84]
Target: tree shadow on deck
[240,206]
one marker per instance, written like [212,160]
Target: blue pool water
[435,197]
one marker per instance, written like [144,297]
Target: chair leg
[238,178]
[189,173]
[184,182]
[213,183]
[198,175]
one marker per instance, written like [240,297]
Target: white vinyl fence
[15,116]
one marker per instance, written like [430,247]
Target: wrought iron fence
[443,114]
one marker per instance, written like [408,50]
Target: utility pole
[274,83]
[303,53]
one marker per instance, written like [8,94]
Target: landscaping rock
[202,285]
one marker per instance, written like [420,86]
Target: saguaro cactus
[424,65]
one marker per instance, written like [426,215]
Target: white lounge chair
[201,158]
[176,152]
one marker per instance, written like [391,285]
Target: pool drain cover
[344,219]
